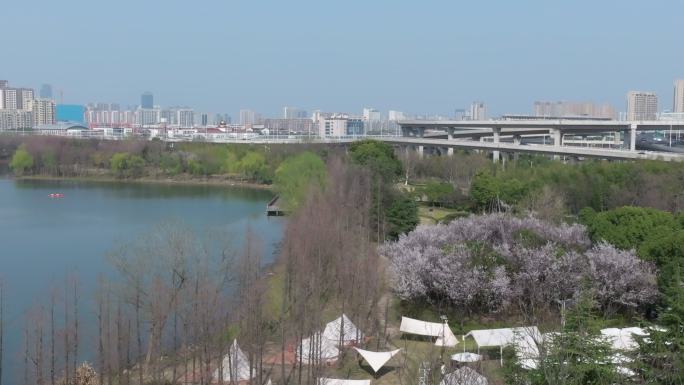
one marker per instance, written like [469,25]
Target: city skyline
[511,56]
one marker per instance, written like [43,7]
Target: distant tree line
[126,159]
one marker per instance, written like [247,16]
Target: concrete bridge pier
[496,131]
[557,137]
[450,133]
[517,140]
[450,151]
[420,151]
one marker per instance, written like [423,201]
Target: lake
[43,239]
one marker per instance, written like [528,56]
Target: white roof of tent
[324,346]
[526,345]
[623,339]
[235,365]
[317,349]
[525,340]
[464,376]
[377,359]
[466,357]
[342,327]
[445,337]
[336,381]
[502,337]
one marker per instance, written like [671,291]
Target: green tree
[628,227]
[379,157]
[402,217]
[253,166]
[22,161]
[125,165]
[437,192]
[296,176]
[662,352]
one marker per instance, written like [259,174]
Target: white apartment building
[43,111]
[15,119]
[678,103]
[9,98]
[642,105]
[478,111]
[394,116]
[185,118]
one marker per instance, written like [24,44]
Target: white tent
[235,365]
[464,376]
[445,337]
[323,346]
[623,339]
[466,357]
[336,381]
[318,349]
[377,359]
[524,339]
[342,329]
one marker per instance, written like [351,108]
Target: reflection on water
[42,239]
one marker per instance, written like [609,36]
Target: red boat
[57,195]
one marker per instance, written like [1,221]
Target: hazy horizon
[428,57]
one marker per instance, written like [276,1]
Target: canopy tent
[235,365]
[342,330]
[377,359]
[464,376]
[335,381]
[524,339]
[623,339]
[466,357]
[445,337]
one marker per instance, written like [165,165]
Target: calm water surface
[43,239]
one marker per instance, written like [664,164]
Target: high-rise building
[9,98]
[564,109]
[43,111]
[46,91]
[678,104]
[186,118]
[394,116]
[24,97]
[4,83]
[148,116]
[15,119]
[293,113]
[478,111]
[248,117]
[147,100]
[372,120]
[371,114]
[642,105]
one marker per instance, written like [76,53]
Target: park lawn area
[432,215]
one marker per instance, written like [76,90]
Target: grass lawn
[432,215]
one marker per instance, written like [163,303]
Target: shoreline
[147,180]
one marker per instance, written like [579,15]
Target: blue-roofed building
[70,113]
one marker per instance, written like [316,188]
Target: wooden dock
[272,208]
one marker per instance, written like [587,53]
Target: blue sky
[415,56]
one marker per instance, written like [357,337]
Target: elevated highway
[556,129]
